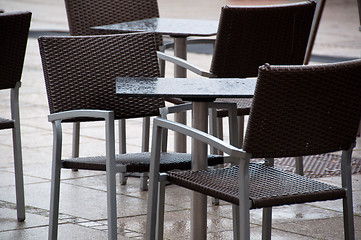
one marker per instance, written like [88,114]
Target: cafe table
[179,30]
[200,92]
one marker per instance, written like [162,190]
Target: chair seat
[6,123]
[243,106]
[139,162]
[268,186]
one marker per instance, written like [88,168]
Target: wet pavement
[83,193]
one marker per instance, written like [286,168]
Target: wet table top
[167,26]
[192,89]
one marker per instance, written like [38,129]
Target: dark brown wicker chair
[86,67]
[251,36]
[14,28]
[82,15]
[296,111]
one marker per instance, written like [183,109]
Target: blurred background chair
[251,36]
[14,29]
[76,64]
[296,111]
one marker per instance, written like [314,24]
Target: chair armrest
[201,136]
[106,115]
[189,41]
[175,109]
[188,106]
[183,63]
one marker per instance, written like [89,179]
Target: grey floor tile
[8,179]
[328,228]
[337,204]
[8,219]
[66,231]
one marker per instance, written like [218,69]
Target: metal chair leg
[240,120]
[347,202]
[122,148]
[267,213]
[213,131]
[145,134]
[55,182]
[18,160]
[76,142]
[299,165]
[235,214]
[111,180]
[160,207]
[243,216]
[143,185]
[153,194]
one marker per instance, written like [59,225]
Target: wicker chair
[82,15]
[251,36]
[14,28]
[277,128]
[76,64]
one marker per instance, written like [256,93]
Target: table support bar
[180,50]
[199,154]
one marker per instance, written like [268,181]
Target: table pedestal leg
[180,50]
[199,155]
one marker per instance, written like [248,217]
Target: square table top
[193,89]
[166,26]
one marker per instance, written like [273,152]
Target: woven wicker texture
[14,30]
[304,110]
[80,72]
[82,15]
[85,14]
[6,123]
[316,166]
[249,37]
[139,162]
[267,186]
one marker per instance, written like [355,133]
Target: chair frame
[268,150]
[13,53]
[56,120]
[18,165]
[155,214]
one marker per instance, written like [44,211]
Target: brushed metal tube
[199,155]
[180,50]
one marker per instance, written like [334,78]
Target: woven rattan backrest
[304,110]
[85,14]
[249,37]
[80,72]
[14,31]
